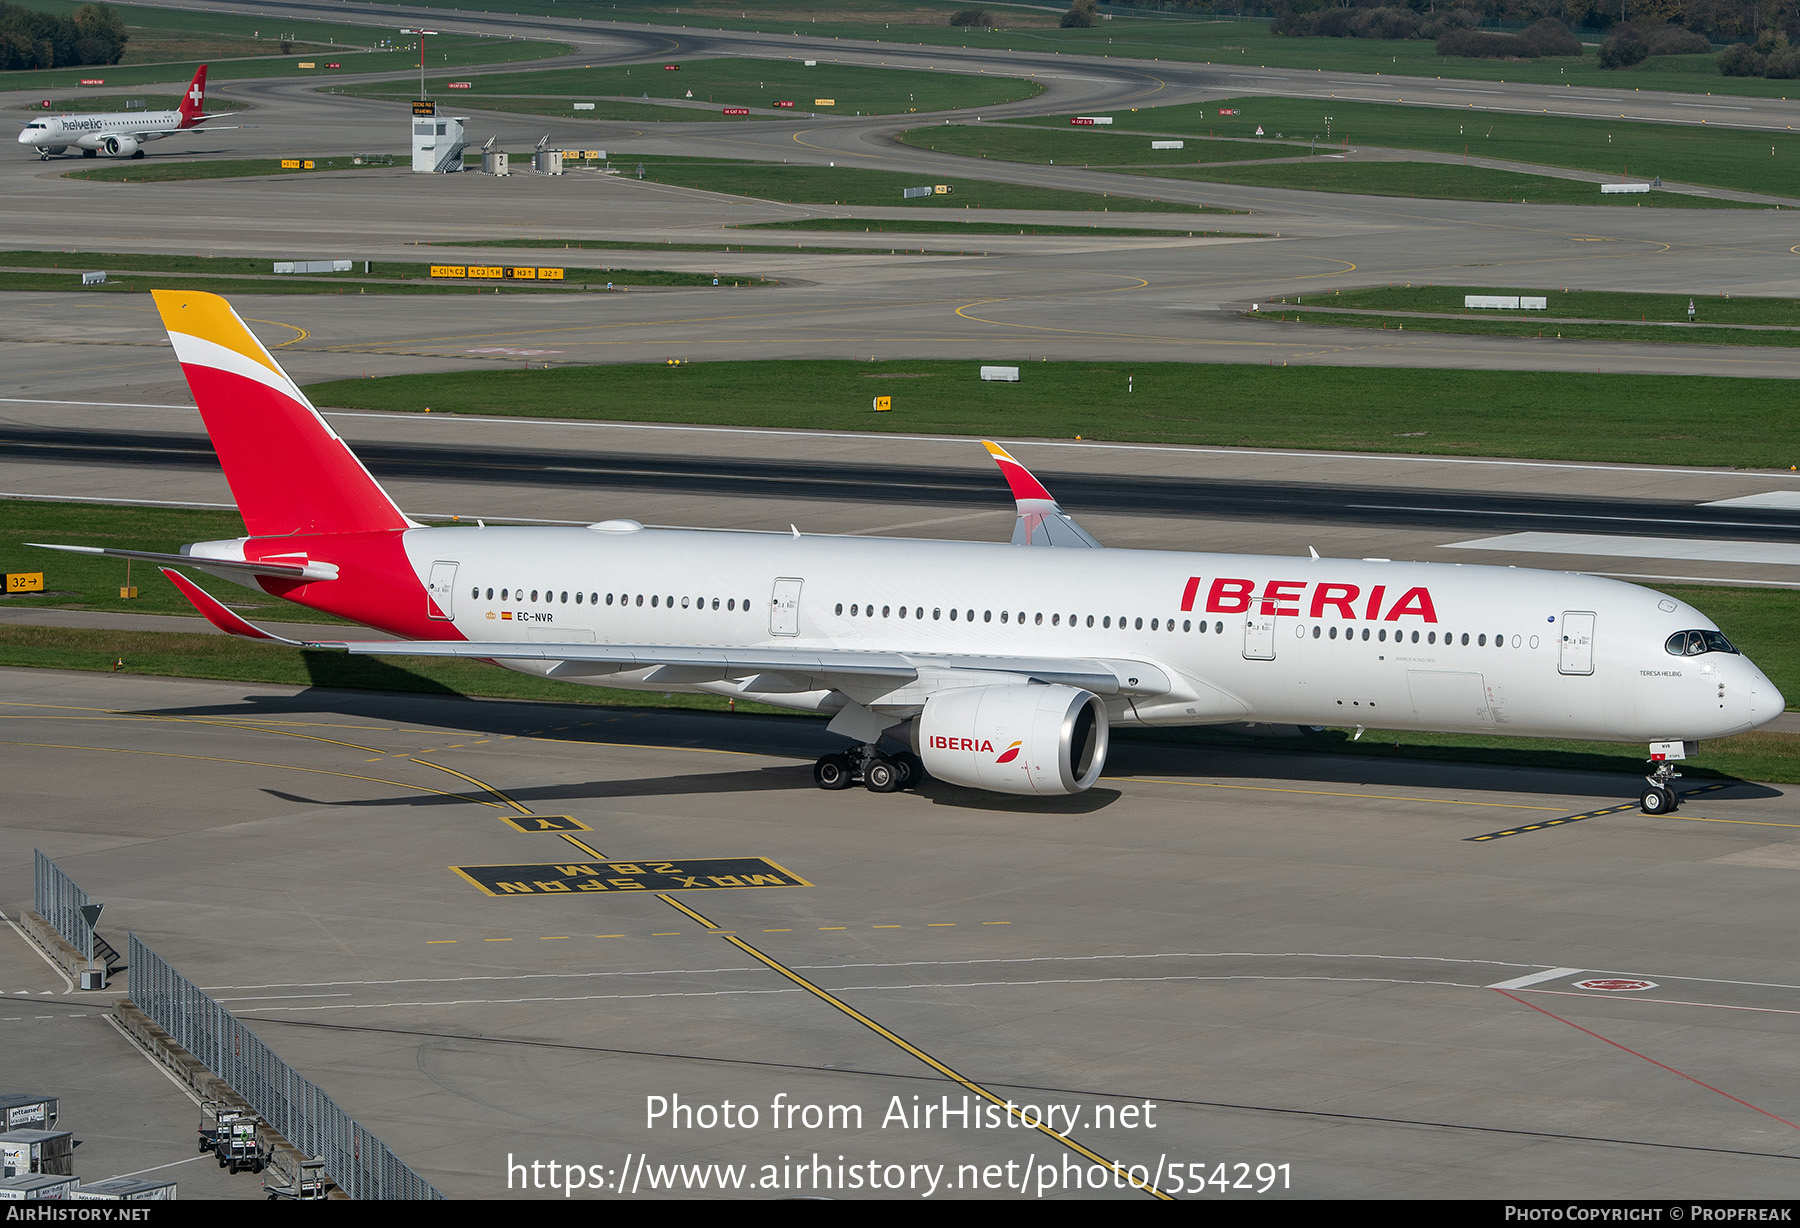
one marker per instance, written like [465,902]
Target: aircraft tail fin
[193,103]
[288,470]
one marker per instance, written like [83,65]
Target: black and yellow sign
[546,822]
[494,272]
[424,106]
[24,581]
[594,877]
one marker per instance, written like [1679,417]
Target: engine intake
[119,146]
[1025,739]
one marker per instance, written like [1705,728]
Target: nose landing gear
[1658,797]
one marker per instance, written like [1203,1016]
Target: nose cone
[1752,695]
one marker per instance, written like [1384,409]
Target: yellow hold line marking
[914,1050]
[477,783]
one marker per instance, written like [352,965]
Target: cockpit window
[1694,643]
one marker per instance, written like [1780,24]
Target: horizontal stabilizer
[285,571]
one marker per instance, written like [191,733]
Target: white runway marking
[1783,500]
[1535,978]
[1711,551]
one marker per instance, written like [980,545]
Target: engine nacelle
[1028,739]
[119,146]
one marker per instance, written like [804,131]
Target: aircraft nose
[1757,698]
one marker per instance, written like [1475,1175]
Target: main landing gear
[877,772]
[1658,796]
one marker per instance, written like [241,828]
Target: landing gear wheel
[90,153]
[912,769]
[882,776]
[1657,800]
[137,154]
[833,772]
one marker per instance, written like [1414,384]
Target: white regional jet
[118,134]
[1002,666]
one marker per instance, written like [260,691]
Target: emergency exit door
[784,608]
[441,592]
[1259,637]
[1577,655]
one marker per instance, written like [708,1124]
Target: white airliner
[1002,666]
[118,134]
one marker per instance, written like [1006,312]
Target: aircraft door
[440,590]
[1577,655]
[1259,637]
[784,608]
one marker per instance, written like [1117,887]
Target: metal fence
[59,901]
[292,1105]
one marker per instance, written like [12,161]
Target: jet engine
[120,147]
[1031,739]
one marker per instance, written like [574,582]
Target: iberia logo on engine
[940,742]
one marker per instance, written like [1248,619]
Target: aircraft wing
[795,668]
[1041,521]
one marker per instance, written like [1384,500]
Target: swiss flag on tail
[193,103]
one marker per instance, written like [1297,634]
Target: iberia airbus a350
[1001,666]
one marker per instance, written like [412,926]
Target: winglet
[1041,521]
[216,613]
[1017,476]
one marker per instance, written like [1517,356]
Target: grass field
[602,245]
[1619,316]
[731,82]
[946,226]
[846,185]
[562,108]
[222,274]
[1758,620]
[62,104]
[167,45]
[1624,418]
[1435,181]
[1546,330]
[1712,156]
[1235,43]
[1711,308]
[1101,147]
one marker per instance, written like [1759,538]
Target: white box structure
[1006,375]
[438,144]
[1614,189]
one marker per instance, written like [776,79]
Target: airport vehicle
[118,134]
[1001,666]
